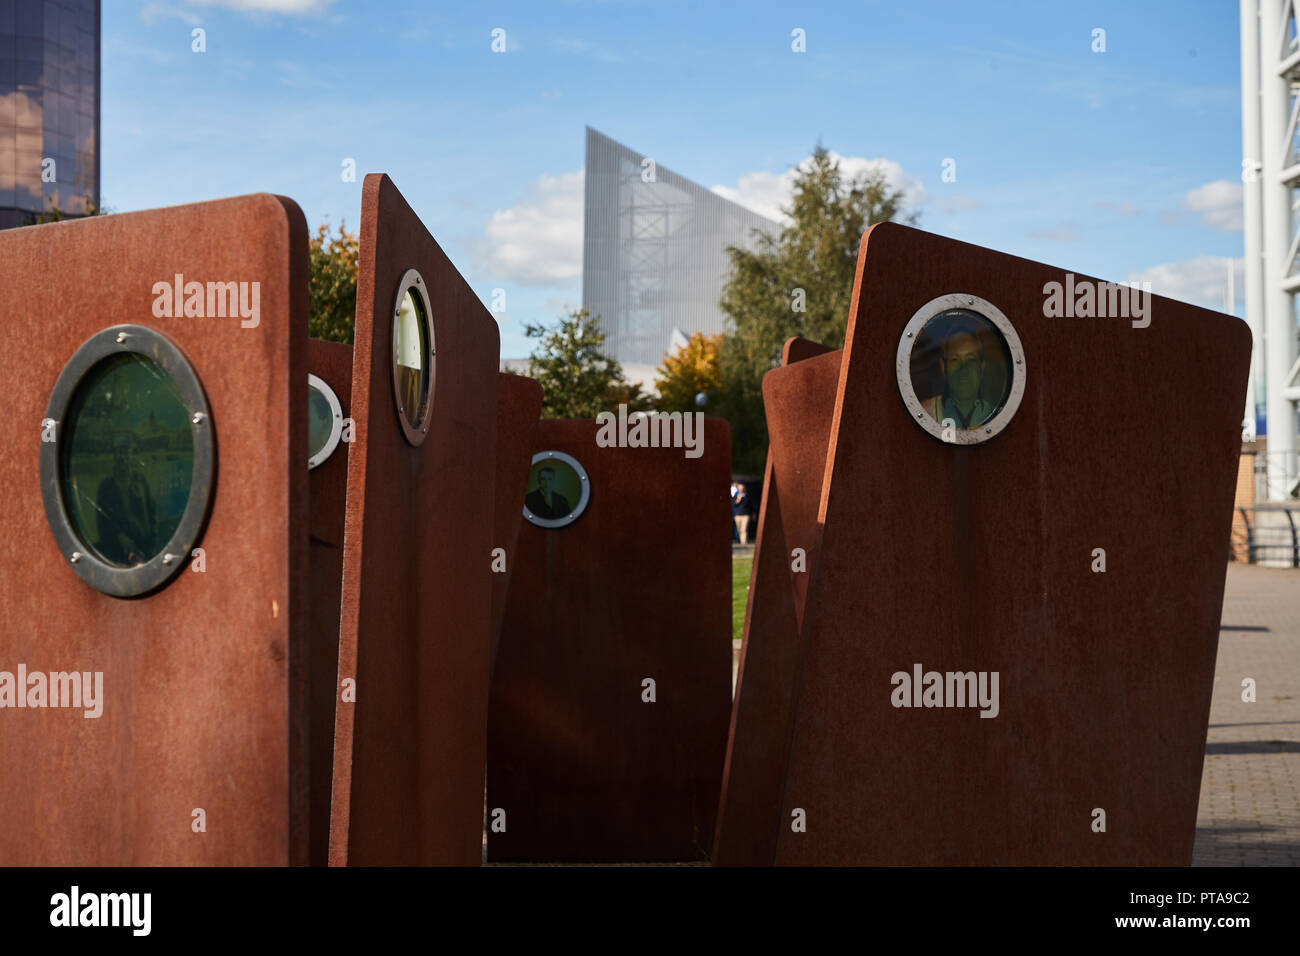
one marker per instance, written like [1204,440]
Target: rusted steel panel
[637,587]
[204,681]
[800,402]
[979,558]
[332,363]
[415,629]
[519,406]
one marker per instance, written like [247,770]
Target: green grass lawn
[739,594]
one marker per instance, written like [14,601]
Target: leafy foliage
[798,283]
[692,369]
[333,268]
[578,379]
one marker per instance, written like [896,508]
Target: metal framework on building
[1270,99]
[654,251]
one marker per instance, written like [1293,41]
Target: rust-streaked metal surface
[639,586]
[332,363]
[205,703]
[519,408]
[800,402]
[803,402]
[978,558]
[415,629]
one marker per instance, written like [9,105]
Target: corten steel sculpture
[637,587]
[205,680]
[415,631]
[332,363]
[1078,553]
[519,406]
[800,399]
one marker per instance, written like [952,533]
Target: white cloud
[185,10]
[959,204]
[579,46]
[1127,209]
[1216,204]
[538,240]
[290,7]
[317,76]
[766,193]
[561,305]
[152,12]
[1202,280]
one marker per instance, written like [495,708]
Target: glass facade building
[49,107]
[654,252]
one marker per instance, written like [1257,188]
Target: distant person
[126,521]
[735,489]
[961,359]
[546,502]
[740,512]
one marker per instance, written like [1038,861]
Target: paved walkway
[1249,813]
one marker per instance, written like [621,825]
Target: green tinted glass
[554,490]
[127,459]
[961,369]
[320,421]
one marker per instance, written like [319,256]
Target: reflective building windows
[49,108]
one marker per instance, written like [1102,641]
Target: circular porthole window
[557,491]
[127,460]
[960,369]
[324,421]
[413,356]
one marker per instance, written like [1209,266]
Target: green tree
[333,297]
[578,379]
[690,370]
[797,283]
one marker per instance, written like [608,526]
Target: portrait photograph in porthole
[554,492]
[961,369]
[127,460]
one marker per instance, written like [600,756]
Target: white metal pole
[1275,200]
[1253,227]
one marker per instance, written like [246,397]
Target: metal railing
[1267,534]
[1275,474]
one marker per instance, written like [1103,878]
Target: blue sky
[1123,164]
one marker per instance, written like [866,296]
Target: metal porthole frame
[1017,370]
[583,498]
[336,421]
[412,281]
[99,574]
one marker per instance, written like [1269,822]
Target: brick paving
[1249,813]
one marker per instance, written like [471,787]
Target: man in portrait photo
[126,520]
[961,360]
[546,502]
